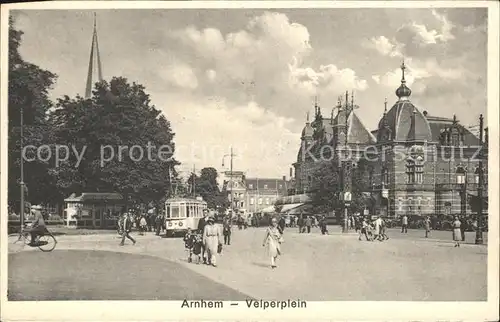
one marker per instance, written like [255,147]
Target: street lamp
[231,155]
[479,231]
[22,171]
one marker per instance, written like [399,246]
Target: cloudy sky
[247,78]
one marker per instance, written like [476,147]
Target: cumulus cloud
[265,63]
[327,78]
[416,69]
[180,75]
[273,146]
[211,74]
[423,35]
[384,46]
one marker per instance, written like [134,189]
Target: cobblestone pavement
[407,267]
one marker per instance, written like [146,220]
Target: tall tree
[207,187]
[128,143]
[327,187]
[28,88]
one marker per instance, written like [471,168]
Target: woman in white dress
[212,238]
[272,240]
[457,234]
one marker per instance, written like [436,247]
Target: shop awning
[303,208]
[268,210]
[288,207]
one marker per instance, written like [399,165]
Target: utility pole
[231,175]
[194,181]
[479,231]
[231,155]
[22,171]
[345,169]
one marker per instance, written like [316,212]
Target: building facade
[251,195]
[424,164]
[234,184]
[264,192]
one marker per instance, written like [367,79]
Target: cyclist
[38,227]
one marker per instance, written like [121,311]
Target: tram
[183,213]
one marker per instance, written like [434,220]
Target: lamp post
[347,195]
[22,171]
[231,155]
[479,231]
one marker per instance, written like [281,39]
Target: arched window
[419,170]
[410,171]
[460,175]
[476,175]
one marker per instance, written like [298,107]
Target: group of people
[144,222]
[374,229]
[205,243]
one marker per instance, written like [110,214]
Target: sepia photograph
[249,158]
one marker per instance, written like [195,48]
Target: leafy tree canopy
[28,88]
[128,145]
[207,187]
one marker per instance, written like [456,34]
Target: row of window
[260,201]
[250,186]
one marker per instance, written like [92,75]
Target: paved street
[408,267]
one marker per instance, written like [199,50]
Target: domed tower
[308,131]
[404,120]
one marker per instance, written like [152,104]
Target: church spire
[95,69]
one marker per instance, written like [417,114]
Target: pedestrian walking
[457,235]
[158,224]
[383,229]
[463,227]
[427,223]
[143,225]
[226,230]
[212,239]
[273,240]
[404,224]
[127,228]
[201,228]
[300,223]
[323,226]
[365,230]
[308,224]
[376,231]
[281,224]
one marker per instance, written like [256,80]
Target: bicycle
[46,241]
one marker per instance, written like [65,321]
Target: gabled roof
[357,132]
[439,124]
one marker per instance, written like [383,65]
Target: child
[188,244]
[196,246]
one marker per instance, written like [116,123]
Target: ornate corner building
[427,165]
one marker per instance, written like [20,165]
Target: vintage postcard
[249,160]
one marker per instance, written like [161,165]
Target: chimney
[291,172]
[284,178]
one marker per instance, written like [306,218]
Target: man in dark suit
[201,228]
[127,227]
